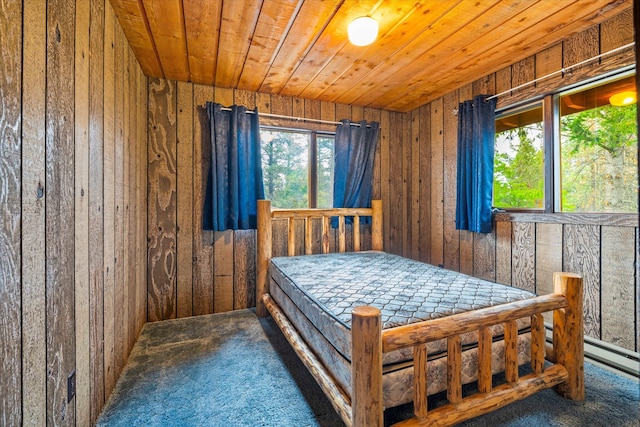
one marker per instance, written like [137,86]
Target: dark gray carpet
[234,369]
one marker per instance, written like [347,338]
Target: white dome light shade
[362,31]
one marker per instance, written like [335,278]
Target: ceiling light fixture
[363,31]
[626,97]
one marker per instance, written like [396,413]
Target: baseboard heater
[608,356]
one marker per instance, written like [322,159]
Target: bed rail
[339,400]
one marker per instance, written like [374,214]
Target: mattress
[318,293]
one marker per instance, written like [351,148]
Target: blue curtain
[234,181]
[476,134]
[355,147]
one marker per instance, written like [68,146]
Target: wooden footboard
[567,374]
[365,408]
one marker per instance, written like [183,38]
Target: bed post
[263,254]
[367,406]
[568,337]
[376,225]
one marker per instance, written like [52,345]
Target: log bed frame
[366,408]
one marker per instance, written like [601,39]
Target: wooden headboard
[266,215]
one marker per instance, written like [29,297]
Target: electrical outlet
[71,386]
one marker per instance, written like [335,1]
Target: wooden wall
[73,107]
[524,249]
[76,174]
[191,271]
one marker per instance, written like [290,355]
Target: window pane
[598,150]
[325,171]
[285,167]
[519,160]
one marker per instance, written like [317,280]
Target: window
[598,150]
[581,156]
[519,159]
[297,167]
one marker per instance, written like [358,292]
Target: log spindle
[291,242]
[356,233]
[538,343]
[342,237]
[420,392]
[325,234]
[376,225]
[511,351]
[308,236]
[484,361]
[454,369]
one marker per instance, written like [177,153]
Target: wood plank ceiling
[424,49]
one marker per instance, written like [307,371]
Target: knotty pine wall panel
[581,253]
[503,232]
[223,270]
[97,131]
[414,202]
[10,212]
[617,296]
[372,115]
[81,214]
[548,253]
[424,180]
[119,217]
[141,201]
[184,274]
[135,242]
[162,178]
[385,181]
[397,188]
[59,221]
[34,405]
[451,236]
[108,176]
[407,155]
[57,137]
[436,144]
[202,271]
[523,255]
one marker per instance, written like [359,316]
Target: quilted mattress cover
[326,288]
[318,293]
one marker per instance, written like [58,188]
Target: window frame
[312,158]
[552,163]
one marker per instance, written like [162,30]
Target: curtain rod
[560,71]
[563,70]
[297,119]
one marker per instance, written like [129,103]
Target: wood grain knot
[40,190]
